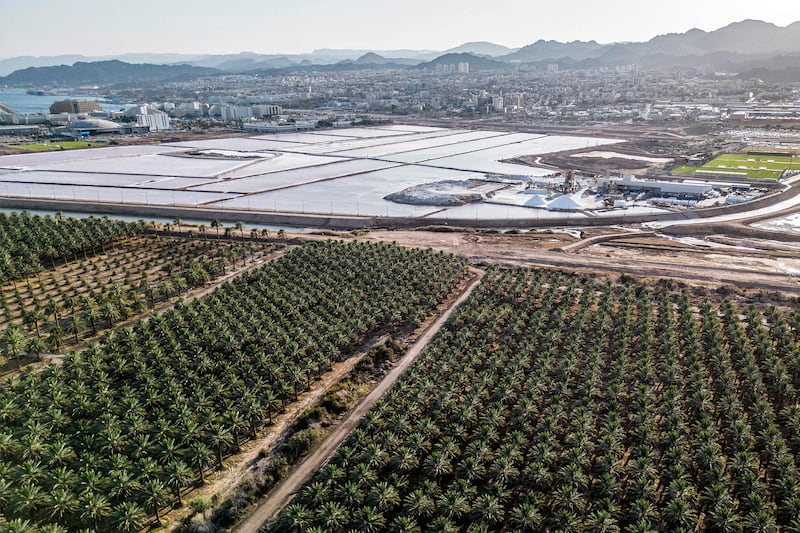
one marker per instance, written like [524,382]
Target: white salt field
[488,160]
[107,180]
[409,127]
[295,177]
[364,133]
[346,144]
[387,149]
[284,161]
[237,144]
[789,224]
[151,164]
[355,195]
[344,171]
[303,138]
[143,196]
[24,160]
[480,144]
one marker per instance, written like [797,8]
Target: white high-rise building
[497,102]
[235,112]
[155,121]
[262,110]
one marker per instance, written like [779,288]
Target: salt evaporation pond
[338,171]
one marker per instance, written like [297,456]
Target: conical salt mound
[564,203]
[537,200]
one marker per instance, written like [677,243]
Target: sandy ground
[654,257]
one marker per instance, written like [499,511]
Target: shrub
[200,505]
[300,443]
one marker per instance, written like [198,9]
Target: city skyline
[272,27]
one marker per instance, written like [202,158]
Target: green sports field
[60,145]
[744,166]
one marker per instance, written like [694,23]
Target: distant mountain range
[476,63]
[112,72]
[481,48]
[750,48]
[551,50]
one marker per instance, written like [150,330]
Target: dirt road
[704,266]
[223,482]
[591,241]
[284,492]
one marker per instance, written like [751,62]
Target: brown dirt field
[662,258]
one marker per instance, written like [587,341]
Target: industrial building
[21,130]
[98,126]
[271,127]
[677,189]
[75,106]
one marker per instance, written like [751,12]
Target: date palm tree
[75,325]
[37,346]
[200,455]
[155,496]
[332,516]
[369,520]
[219,438]
[179,476]
[127,517]
[94,509]
[12,340]
[296,518]
[53,308]
[218,225]
[55,339]
[61,504]
[33,318]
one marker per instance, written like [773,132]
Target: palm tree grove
[27,242]
[120,429]
[139,364]
[63,280]
[554,402]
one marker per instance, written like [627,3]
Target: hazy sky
[102,27]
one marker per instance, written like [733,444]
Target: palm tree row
[552,403]
[29,243]
[122,428]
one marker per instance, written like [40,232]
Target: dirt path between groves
[285,490]
[223,482]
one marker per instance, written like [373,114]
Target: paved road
[286,490]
